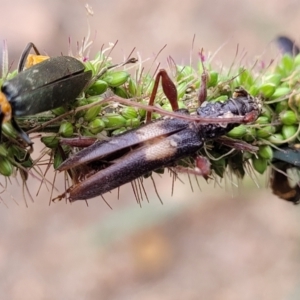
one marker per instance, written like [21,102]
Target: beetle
[285,174]
[48,83]
[287,46]
[156,144]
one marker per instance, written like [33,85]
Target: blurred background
[213,243]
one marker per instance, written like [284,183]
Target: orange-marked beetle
[48,83]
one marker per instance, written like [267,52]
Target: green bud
[265,151]
[181,104]
[250,134]
[82,102]
[147,85]
[121,92]
[3,150]
[114,120]
[287,63]
[294,101]
[181,89]
[115,79]
[288,117]
[213,79]
[129,112]
[276,138]
[6,168]
[273,78]
[12,151]
[96,126]
[50,141]
[281,92]
[57,161]
[185,73]
[259,164]
[8,130]
[288,131]
[11,75]
[86,132]
[92,99]
[237,132]
[132,88]
[155,116]
[89,66]
[133,123]
[167,106]
[247,155]
[297,60]
[142,112]
[92,113]
[98,88]
[253,90]
[221,98]
[66,129]
[245,78]
[58,111]
[265,131]
[262,120]
[281,106]
[27,163]
[267,112]
[118,131]
[267,89]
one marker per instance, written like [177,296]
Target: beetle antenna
[25,54]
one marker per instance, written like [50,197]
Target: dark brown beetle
[158,144]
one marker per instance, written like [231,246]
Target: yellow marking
[5,108]
[160,148]
[33,59]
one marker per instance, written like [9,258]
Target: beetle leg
[22,134]
[81,142]
[169,89]
[202,168]
[237,144]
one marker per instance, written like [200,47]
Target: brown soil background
[217,243]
